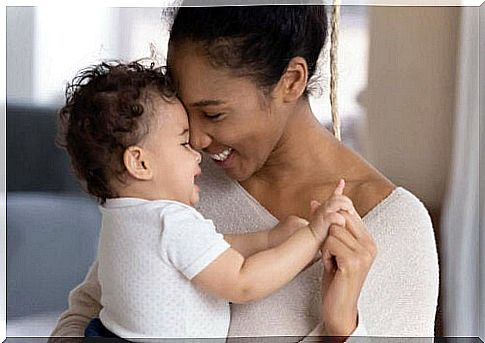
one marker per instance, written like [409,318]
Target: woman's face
[230,117]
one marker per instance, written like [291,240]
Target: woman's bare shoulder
[368,193]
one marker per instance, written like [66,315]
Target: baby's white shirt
[148,253]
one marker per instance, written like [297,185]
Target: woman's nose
[199,139]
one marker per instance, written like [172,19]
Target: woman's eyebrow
[204,103]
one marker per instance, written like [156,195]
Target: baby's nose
[198,156]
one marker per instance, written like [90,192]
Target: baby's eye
[186,144]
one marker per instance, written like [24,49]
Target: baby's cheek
[195,199]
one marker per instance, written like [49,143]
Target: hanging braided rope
[334,69]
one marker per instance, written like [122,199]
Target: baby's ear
[136,163]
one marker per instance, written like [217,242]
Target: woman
[242,74]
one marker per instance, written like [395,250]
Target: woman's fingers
[340,253]
[344,236]
[365,246]
[355,226]
[328,261]
[352,261]
[348,253]
[343,247]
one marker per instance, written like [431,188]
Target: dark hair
[254,41]
[104,114]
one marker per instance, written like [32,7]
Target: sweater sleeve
[84,305]
[400,294]
[319,331]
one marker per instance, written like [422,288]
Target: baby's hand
[323,216]
[285,229]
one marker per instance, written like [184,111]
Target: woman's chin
[236,167]
[238,175]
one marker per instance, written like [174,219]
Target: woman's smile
[221,156]
[252,124]
[225,158]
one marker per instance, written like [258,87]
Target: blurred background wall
[410,100]
[410,96]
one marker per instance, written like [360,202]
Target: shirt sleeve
[189,241]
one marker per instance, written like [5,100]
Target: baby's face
[173,161]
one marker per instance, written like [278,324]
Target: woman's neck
[307,164]
[305,148]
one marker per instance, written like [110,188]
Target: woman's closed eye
[214,116]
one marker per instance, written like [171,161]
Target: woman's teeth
[222,156]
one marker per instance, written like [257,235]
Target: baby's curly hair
[105,113]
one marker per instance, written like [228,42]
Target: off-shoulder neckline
[380,205]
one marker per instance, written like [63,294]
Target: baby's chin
[194,200]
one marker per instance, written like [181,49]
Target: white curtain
[482,174]
[481,318]
[462,293]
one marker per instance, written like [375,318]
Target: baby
[163,268]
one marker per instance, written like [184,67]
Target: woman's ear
[136,163]
[294,81]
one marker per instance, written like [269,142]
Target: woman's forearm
[84,304]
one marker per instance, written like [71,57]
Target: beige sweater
[399,297]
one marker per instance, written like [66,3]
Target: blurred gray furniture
[52,227]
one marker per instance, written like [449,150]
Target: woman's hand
[322,217]
[347,255]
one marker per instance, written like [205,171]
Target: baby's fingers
[334,218]
[314,206]
[340,187]
[321,224]
[337,203]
